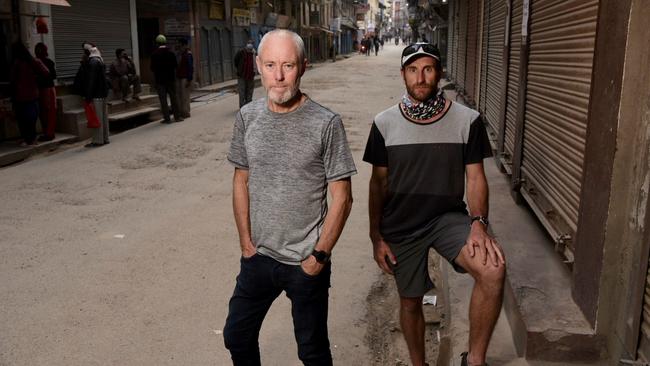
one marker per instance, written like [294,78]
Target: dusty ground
[127,254]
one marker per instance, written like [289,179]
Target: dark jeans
[164,90]
[245,89]
[261,280]
[26,116]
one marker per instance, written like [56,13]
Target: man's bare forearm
[337,214]
[241,210]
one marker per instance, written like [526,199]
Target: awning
[52,2]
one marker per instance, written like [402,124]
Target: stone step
[131,113]
[120,106]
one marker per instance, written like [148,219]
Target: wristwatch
[482,219]
[321,256]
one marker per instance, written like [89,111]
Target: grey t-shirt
[290,158]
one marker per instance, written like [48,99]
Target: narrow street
[127,254]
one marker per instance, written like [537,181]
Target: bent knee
[411,304]
[490,274]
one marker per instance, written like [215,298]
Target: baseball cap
[416,50]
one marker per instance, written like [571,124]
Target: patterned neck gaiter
[425,110]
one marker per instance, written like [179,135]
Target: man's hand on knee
[480,243]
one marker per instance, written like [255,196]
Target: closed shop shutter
[513,80]
[472,49]
[484,55]
[462,44]
[495,77]
[451,42]
[107,24]
[562,38]
[644,344]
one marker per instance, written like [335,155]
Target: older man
[423,150]
[288,151]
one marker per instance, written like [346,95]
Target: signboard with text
[241,17]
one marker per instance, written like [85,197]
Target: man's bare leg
[412,321]
[485,304]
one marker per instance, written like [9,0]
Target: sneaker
[166,121]
[463,360]
[93,144]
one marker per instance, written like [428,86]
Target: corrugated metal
[454,51]
[495,77]
[512,97]
[644,344]
[462,44]
[107,24]
[562,39]
[472,49]
[451,43]
[484,56]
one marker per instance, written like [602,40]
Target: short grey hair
[297,40]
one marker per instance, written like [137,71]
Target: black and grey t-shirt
[290,158]
[426,166]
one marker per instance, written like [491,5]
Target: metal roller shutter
[462,44]
[451,58]
[495,77]
[472,50]
[484,56]
[513,80]
[454,47]
[107,24]
[644,344]
[562,38]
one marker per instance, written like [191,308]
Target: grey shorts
[447,235]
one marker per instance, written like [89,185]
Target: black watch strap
[482,219]
[321,256]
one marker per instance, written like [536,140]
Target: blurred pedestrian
[122,74]
[24,90]
[376,44]
[245,64]
[184,77]
[91,84]
[163,66]
[46,94]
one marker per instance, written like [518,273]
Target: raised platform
[11,152]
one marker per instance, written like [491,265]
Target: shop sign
[241,17]
[175,26]
[216,10]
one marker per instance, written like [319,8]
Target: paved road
[127,254]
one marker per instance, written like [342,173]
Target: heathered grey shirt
[290,158]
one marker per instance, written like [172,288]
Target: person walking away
[245,64]
[184,77]
[123,74]
[376,43]
[24,90]
[163,66]
[286,235]
[46,94]
[92,86]
[422,152]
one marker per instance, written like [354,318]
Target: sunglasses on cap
[417,49]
